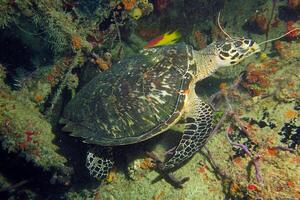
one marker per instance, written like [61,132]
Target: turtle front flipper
[99,162]
[198,127]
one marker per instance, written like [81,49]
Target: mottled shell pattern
[136,99]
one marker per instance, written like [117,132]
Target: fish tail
[165,39]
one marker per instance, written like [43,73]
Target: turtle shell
[134,100]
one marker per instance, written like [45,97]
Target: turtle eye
[251,43]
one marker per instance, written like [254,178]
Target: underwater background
[51,48]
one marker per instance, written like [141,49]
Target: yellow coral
[102,64]
[38,98]
[146,164]
[144,1]
[111,176]
[128,4]
[136,13]
[223,86]
[290,114]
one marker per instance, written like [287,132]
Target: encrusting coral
[26,132]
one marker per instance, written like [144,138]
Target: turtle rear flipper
[99,162]
[198,127]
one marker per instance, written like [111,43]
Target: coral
[111,176]
[136,9]
[136,13]
[64,72]
[72,81]
[76,42]
[290,114]
[104,62]
[280,48]
[129,4]
[26,132]
[257,80]
[293,4]
[289,27]
[259,23]
[146,7]
[144,1]
[70,29]
[38,98]
[146,164]
[57,28]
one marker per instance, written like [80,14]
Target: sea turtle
[143,96]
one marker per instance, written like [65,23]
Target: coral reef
[59,40]
[259,23]
[291,25]
[254,153]
[259,161]
[26,133]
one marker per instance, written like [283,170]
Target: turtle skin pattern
[198,128]
[99,166]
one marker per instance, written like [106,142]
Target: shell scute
[134,100]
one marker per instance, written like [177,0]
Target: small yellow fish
[167,38]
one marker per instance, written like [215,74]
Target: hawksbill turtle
[144,95]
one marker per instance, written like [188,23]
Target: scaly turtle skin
[143,96]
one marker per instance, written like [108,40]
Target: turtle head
[232,51]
